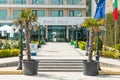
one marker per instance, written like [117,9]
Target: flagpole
[115,31]
[105,24]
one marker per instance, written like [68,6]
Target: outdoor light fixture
[77,36]
[21,49]
[101,28]
[39,30]
[87,42]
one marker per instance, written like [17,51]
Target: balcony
[60,20]
[41,6]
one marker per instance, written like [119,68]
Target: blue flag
[100,10]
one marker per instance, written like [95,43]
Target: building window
[19,1]
[88,8]
[75,13]
[3,14]
[40,13]
[38,1]
[16,13]
[3,1]
[74,2]
[56,13]
[56,1]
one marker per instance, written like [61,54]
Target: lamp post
[97,50]
[97,47]
[101,28]
[14,28]
[39,45]
[21,50]
[76,37]
[72,32]
[87,42]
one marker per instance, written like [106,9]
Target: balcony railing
[82,2]
[41,6]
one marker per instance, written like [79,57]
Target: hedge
[110,54]
[81,45]
[117,46]
[9,53]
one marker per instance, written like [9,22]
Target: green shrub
[15,45]
[42,42]
[71,42]
[110,54]
[107,48]
[9,53]
[117,46]
[100,45]
[6,45]
[1,44]
[35,42]
[107,54]
[81,45]
[116,55]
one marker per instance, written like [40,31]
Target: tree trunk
[90,48]
[27,34]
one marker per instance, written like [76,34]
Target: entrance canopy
[5,28]
[60,20]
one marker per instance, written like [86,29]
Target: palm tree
[92,25]
[90,67]
[24,19]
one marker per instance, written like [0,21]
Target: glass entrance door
[57,33]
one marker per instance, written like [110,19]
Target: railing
[65,2]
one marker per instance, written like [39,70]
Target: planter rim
[86,61]
[32,60]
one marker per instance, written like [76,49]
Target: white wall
[93,7]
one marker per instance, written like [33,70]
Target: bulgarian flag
[115,9]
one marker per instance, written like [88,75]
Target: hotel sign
[60,20]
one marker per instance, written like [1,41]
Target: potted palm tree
[90,67]
[29,66]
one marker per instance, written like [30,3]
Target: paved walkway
[59,76]
[59,51]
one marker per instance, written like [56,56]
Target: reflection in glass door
[57,33]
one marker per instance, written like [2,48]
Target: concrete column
[65,2]
[28,1]
[67,32]
[65,12]
[47,2]
[46,32]
[9,13]
[46,12]
[93,7]
[10,1]
[83,12]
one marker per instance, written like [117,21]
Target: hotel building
[56,16]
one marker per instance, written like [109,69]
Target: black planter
[30,67]
[90,68]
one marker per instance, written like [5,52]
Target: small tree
[24,19]
[92,25]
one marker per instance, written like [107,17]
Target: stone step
[60,70]
[53,64]
[60,60]
[60,67]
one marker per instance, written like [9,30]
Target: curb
[11,72]
[109,71]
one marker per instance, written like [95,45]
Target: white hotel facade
[56,16]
